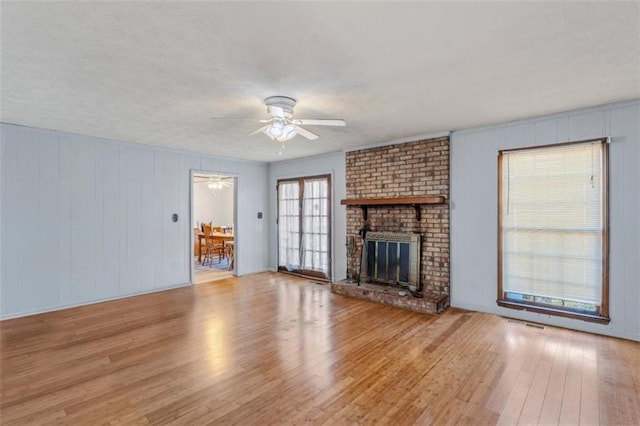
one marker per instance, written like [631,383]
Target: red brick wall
[413,168]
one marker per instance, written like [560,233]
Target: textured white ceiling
[157,72]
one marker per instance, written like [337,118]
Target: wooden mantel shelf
[397,201]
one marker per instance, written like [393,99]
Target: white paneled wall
[334,165]
[87,219]
[474,210]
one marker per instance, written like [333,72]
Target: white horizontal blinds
[552,222]
[315,234]
[289,224]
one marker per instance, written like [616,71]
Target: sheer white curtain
[315,229]
[289,225]
[304,226]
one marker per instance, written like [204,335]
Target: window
[304,226]
[553,229]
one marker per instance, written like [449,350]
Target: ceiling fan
[214,182]
[282,126]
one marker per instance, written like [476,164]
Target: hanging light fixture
[280,131]
[217,182]
[282,127]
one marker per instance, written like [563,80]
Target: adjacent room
[213,214]
[320,213]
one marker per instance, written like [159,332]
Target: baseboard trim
[571,324]
[92,302]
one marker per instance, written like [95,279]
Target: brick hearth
[388,295]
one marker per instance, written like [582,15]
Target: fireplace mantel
[415,201]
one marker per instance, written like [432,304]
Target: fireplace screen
[391,258]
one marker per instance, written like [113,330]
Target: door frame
[236,230]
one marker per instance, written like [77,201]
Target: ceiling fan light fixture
[276,129]
[288,132]
[281,127]
[216,183]
[280,132]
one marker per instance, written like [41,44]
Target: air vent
[535,326]
[525,324]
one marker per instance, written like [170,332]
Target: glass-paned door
[289,225]
[304,226]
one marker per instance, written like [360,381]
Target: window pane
[552,224]
[315,206]
[288,225]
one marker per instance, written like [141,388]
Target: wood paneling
[47,254]
[274,349]
[3,189]
[585,125]
[82,183]
[474,215]
[28,157]
[87,219]
[546,132]
[631,221]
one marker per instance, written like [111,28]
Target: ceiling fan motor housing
[283,102]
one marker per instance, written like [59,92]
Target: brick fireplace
[413,169]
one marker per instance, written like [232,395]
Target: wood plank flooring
[277,349]
[211,275]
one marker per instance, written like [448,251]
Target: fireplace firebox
[391,258]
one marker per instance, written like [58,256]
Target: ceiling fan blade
[319,122]
[307,134]
[232,118]
[265,121]
[260,130]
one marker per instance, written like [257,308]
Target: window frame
[602,316]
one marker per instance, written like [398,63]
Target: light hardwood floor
[201,277]
[273,348]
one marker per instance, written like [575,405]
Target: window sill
[550,311]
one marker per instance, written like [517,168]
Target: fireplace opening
[391,258]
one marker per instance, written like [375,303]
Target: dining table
[220,235]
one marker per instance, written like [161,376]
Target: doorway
[213,211]
[304,226]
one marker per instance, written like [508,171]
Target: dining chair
[220,230]
[214,246]
[198,245]
[204,247]
[230,249]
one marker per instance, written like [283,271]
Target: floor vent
[535,326]
[525,324]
